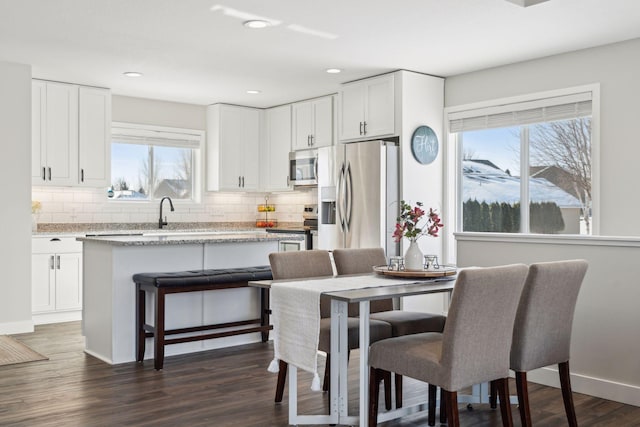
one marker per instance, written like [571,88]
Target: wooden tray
[442,271]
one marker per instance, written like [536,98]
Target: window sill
[566,239]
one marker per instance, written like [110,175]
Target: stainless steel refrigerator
[358,188]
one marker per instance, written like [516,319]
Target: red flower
[408,222]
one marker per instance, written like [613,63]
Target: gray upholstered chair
[317,263]
[542,330]
[473,348]
[355,261]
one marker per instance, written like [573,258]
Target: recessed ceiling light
[334,70]
[132,74]
[256,23]
[253,92]
[526,3]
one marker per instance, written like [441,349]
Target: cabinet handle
[364,128]
[360,128]
[49,174]
[243,182]
[311,138]
[288,180]
[51,262]
[239,181]
[44,173]
[58,259]
[81,175]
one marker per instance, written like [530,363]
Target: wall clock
[424,145]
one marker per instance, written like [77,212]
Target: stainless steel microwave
[303,168]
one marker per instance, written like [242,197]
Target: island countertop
[154,239]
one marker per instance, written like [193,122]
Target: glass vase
[413,258]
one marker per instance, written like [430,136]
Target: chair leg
[451,404]
[567,395]
[282,376]
[398,381]
[374,392]
[431,416]
[386,377]
[493,396]
[505,405]
[523,399]
[443,408]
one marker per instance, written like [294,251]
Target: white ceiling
[191,53]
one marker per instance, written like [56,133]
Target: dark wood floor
[228,387]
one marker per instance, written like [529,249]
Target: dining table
[341,293]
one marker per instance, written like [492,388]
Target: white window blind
[132,135]
[522,113]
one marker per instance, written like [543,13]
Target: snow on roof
[486,183]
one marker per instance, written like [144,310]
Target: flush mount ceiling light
[526,3]
[132,74]
[253,92]
[256,24]
[333,70]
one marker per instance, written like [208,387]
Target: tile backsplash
[91,205]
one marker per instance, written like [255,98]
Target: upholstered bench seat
[161,284]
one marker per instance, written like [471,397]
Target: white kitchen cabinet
[54,133]
[94,137]
[367,109]
[233,144]
[313,123]
[56,279]
[276,148]
[71,134]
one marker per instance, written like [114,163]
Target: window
[525,167]
[149,162]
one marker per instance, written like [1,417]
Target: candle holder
[396,263]
[431,262]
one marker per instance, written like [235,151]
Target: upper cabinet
[70,134]
[313,123]
[276,148]
[94,137]
[54,130]
[367,109]
[233,144]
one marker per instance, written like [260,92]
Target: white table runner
[295,307]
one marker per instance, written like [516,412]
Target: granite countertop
[182,238]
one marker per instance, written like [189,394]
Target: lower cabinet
[56,279]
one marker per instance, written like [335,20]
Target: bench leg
[140,321]
[158,333]
[264,312]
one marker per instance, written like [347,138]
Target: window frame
[195,139]
[453,161]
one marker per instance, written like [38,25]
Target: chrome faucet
[162,222]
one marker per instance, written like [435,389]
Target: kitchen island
[109,310]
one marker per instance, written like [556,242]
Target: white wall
[160,113]
[616,67]
[15,167]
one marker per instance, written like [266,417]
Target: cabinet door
[68,270]
[61,133]
[351,111]
[231,136]
[277,146]
[322,122]
[379,107]
[251,149]
[38,146]
[94,137]
[43,283]
[302,125]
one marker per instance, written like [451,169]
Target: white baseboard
[598,387]
[22,327]
[97,356]
[57,317]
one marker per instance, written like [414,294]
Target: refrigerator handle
[348,197]
[340,198]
